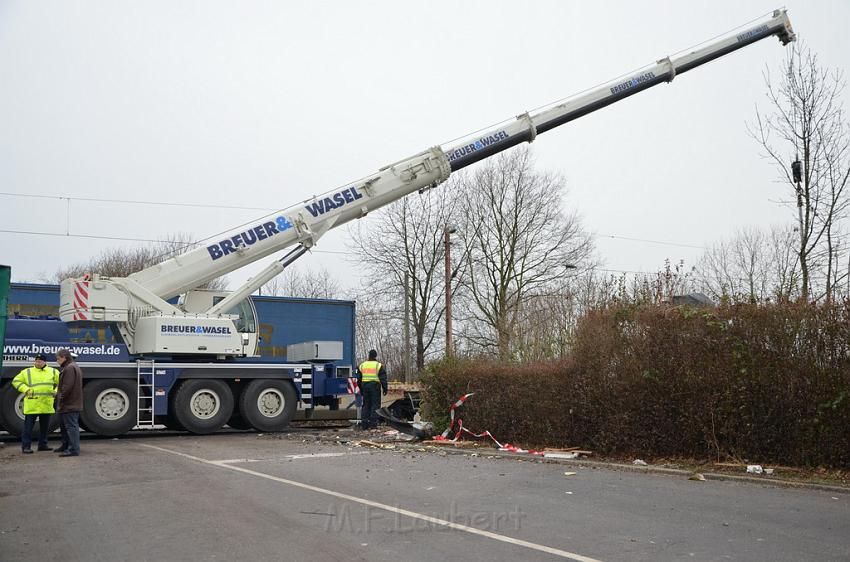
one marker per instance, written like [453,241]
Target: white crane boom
[138,302]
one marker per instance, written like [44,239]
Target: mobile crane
[205,340]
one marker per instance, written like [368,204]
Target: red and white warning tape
[507,447]
[458,403]
[352,386]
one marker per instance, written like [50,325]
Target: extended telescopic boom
[305,223]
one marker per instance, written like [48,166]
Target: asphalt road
[243,496]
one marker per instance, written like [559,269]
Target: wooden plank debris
[460,444]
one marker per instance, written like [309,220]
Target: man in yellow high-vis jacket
[38,385]
[371,378]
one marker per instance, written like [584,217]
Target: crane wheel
[12,413]
[203,405]
[109,406]
[268,404]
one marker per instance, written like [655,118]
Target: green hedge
[764,384]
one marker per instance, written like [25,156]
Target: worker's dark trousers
[29,424]
[371,392]
[69,425]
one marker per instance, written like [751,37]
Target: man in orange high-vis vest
[371,378]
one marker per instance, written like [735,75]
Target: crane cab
[243,315]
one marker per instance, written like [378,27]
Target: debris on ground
[639,462]
[419,430]
[458,444]
[767,470]
[405,408]
[754,469]
[697,476]
[367,443]
[566,456]
[568,453]
[569,474]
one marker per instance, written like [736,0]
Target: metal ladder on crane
[145,385]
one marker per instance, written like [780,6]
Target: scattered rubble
[639,462]
[367,443]
[457,444]
[567,454]
[416,429]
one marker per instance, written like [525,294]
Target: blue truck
[123,391]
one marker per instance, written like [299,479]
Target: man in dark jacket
[69,403]
[371,378]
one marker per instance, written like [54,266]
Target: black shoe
[27,451]
[68,454]
[45,448]
[60,450]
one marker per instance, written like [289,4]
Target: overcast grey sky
[262,104]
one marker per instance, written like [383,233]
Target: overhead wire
[136,202]
[272,211]
[234,207]
[127,239]
[336,252]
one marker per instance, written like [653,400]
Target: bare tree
[753,266]
[836,164]
[546,320]
[806,122]
[122,262]
[309,284]
[654,288]
[784,264]
[519,238]
[737,270]
[379,326]
[405,242]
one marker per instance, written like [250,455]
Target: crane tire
[203,405]
[109,406]
[268,404]
[12,414]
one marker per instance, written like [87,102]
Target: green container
[5,278]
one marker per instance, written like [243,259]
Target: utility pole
[448,251]
[407,328]
[797,173]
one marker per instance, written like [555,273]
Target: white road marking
[378,505]
[290,457]
[315,456]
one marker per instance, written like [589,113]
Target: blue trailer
[124,391]
[5,278]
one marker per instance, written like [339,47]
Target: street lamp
[448,245]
